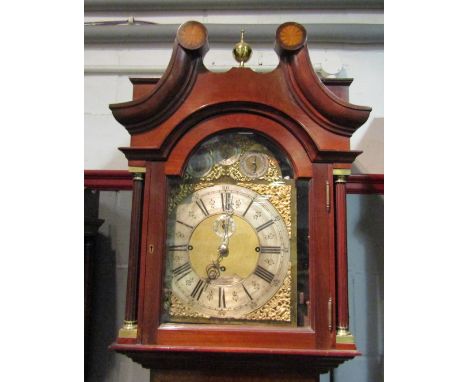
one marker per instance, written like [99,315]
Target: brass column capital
[134,169]
[341,174]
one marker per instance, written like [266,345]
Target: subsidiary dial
[200,164]
[254,165]
[225,153]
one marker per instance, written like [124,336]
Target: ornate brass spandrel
[277,308]
[181,191]
[179,309]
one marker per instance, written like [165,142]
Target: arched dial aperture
[230,251]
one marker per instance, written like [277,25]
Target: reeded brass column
[130,324]
[343,335]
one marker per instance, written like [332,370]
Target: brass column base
[128,330]
[344,336]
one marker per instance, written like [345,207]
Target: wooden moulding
[121,180]
[156,117]
[187,59]
[365,184]
[109,180]
[338,86]
[228,358]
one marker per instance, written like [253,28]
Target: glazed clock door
[237,254]
[231,248]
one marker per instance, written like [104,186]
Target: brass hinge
[327,202]
[330,314]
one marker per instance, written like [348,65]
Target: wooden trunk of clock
[238,250]
[230,376]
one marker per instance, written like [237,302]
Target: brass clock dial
[254,165]
[200,163]
[230,251]
[226,153]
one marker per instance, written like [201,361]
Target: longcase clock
[237,264]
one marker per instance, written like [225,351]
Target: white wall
[103,134]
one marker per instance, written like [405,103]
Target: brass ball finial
[242,51]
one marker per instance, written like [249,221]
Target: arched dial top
[230,251]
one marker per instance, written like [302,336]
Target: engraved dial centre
[240,257]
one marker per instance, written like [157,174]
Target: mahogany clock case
[302,122]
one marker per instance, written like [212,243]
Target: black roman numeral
[264,225]
[272,250]
[226,201]
[202,206]
[183,270]
[264,274]
[198,290]
[181,247]
[245,290]
[221,298]
[185,224]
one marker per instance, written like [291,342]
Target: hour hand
[213,269]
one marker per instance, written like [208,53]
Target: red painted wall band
[122,180]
